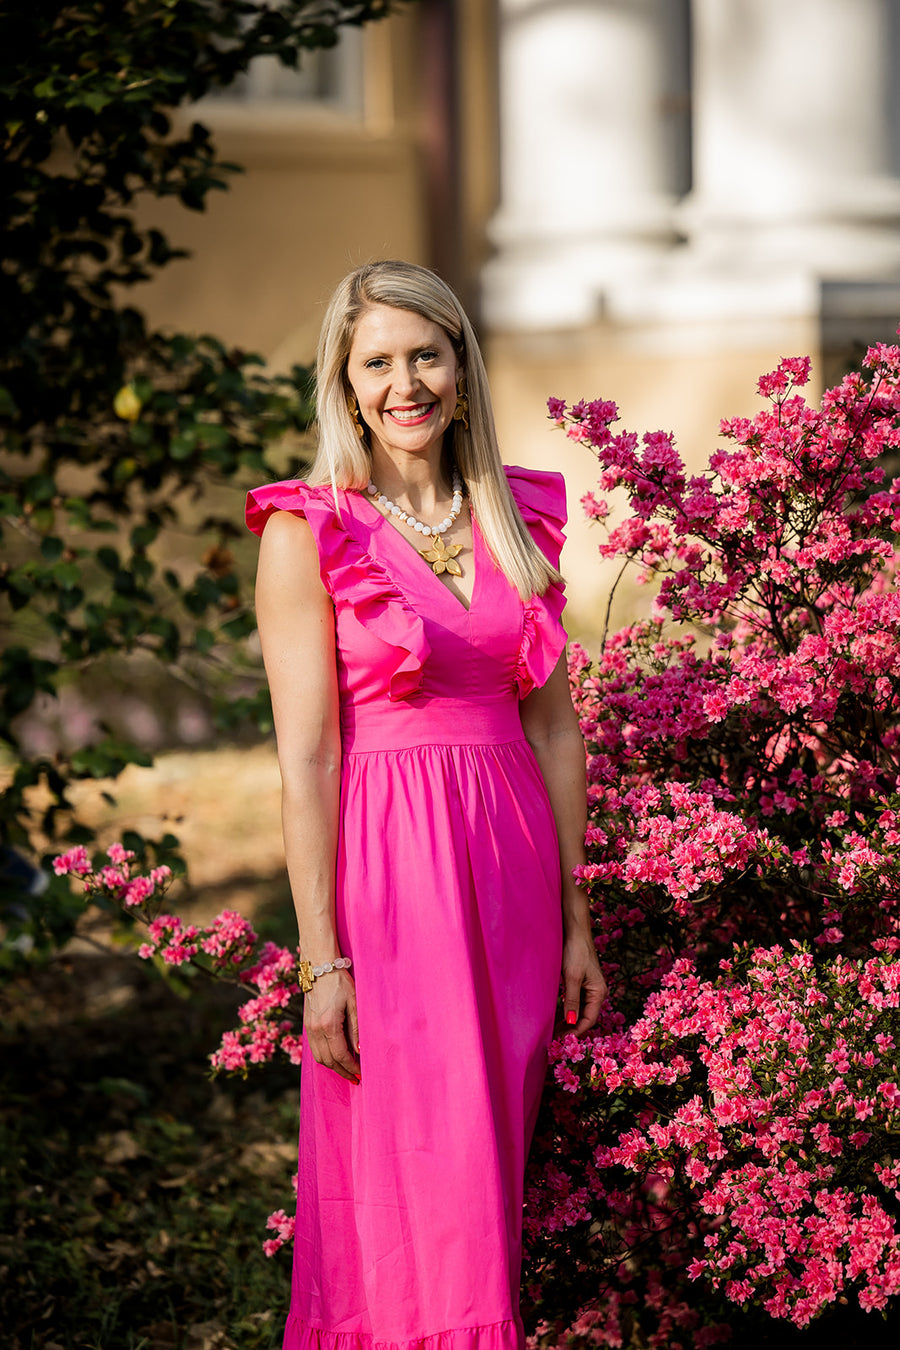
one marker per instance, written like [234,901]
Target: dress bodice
[413,661]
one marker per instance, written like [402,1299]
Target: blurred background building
[644,200]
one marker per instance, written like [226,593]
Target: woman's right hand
[329,1020]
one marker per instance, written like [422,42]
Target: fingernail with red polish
[571,1017]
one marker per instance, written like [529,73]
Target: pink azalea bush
[725,1150]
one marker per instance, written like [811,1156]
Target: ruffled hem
[352,576]
[541,499]
[509,1335]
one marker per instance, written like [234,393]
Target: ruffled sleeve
[289,495]
[541,499]
[352,577]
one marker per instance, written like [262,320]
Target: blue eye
[427,355]
[375,364]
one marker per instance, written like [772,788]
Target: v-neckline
[422,566]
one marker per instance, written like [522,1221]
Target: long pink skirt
[410,1185]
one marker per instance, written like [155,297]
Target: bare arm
[296,628]
[551,728]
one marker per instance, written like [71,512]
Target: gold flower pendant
[442,558]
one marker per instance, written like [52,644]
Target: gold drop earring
[461,411]
[353,409]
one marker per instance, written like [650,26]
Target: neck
[416,481]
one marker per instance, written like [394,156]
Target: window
[330,79]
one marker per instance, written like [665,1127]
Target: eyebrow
[379,351]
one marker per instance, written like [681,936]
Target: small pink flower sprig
[227,948]
[283,1227]
[113,880]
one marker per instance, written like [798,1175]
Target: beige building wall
[322,191]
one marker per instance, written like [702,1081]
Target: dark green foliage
[133,1196]
[118,440]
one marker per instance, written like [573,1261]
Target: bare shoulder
[285,530]
[288,558]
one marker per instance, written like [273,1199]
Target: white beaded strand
[408,519]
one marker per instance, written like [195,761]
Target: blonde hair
[343,460]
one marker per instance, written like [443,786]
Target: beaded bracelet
[309,973]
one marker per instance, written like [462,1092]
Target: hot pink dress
[409,1210]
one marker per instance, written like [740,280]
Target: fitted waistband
[428,721]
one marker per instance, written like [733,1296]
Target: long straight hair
[343,459]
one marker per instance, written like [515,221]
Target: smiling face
[403,370]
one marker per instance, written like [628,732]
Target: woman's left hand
[583,983]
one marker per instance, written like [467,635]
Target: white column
[793,161]
[589,160]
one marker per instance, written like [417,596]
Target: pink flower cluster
[264,1029]
[675,837]
[774,1088]
[227,948]
[115,879]
[283,1226]
[730,1135]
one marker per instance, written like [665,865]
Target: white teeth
[408,414]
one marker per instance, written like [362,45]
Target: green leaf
[108,558]
[214,436]
[51,547]
[107,759]
[66,574]
[127,468]
[93,100]
[39,488]
[140,433]
[240,626]
[167,631]
[182,446]
[143,535]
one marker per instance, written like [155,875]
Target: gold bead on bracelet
[310,973]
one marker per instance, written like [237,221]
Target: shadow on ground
[133,1190]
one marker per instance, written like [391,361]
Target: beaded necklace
[439,556]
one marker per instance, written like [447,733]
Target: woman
[433,806]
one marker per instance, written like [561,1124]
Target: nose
[406,379]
